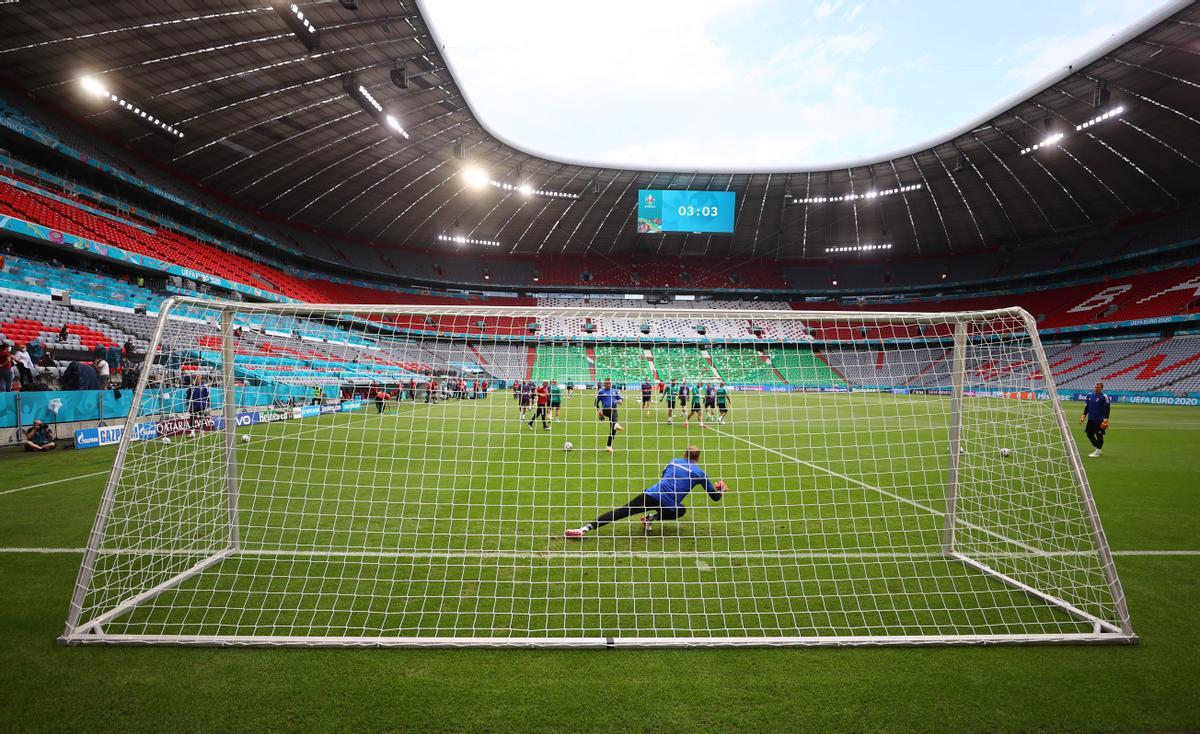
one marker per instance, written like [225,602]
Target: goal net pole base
[149,594]
[597,643]
[1097,623]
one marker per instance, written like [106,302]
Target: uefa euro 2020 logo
[649,199]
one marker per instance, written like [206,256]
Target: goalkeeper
[664,500]
[1096,408]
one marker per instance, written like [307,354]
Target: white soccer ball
[245,438]
[166,439]
[568,446]
[1005,452]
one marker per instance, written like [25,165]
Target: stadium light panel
[94,87]
[300,25]
[395,125]
[373,107]
[528,190]
[873,194]
[460,240]
[839,249]
[476,177]
[1114,112]
[1053,139]
[370,98]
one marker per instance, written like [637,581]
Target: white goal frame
[83,629]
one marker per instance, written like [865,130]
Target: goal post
[403,475]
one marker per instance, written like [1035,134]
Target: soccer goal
[337,475]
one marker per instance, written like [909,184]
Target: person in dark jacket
[80,376]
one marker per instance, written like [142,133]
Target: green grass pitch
[1145,487]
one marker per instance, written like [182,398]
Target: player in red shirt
[381,397]
[543,399]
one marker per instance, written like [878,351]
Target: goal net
[406,475]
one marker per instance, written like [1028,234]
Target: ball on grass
[166,439]
[245,438]
[568,446]
[1005,452]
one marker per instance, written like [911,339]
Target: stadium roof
[272,124]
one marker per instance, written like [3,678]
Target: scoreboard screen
[674,210]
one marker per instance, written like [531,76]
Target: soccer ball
[1005,452]
[568,446]
[166,439]
[245,438]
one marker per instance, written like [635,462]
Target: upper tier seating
[562,363]
[743,366]
[683,363]
[626,365]
[801,366]
[503,361]
[162,243]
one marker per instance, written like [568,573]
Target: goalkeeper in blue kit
[664,500]
[607,400]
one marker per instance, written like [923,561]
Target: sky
[755,84]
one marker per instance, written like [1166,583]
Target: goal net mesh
[337,475]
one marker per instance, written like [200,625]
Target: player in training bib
[696,394]
[607,400]
[722,403]
[647,396]
[556,392]
[664,500]
[710,401]
[669,395]
[526,397]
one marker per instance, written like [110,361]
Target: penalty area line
[897,497]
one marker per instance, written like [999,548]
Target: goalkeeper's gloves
[1104,425]
[722,487]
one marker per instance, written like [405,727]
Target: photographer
[38,437]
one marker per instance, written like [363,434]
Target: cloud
[688,84]
[825,8]
[669,90]
[1045,55]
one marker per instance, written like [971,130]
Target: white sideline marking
[57,481]
[900,498]
[587,554]
[103,472]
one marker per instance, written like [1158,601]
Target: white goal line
[516,554]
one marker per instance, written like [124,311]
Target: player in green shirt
[722,402]
[670,394]
[555,399]
[697,396]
